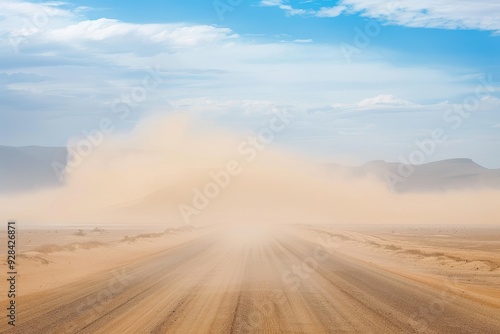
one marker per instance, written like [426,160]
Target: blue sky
[368,79]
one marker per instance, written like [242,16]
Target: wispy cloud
[330,11]
[384,100]
[25,8]
[119,36]
[292,11]
[444,14]
[287,8]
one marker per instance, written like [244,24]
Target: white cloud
[444,14]
[126,36]
[201,61]
[53,28]
[292,11]
[330,11]
[20,20]
[105,29]
[287,8]
[36,11]
[384,100]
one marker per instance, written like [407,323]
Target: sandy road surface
[248,281]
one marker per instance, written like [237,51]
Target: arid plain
[259,279]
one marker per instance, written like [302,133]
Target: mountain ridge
[442,175]
[25,168]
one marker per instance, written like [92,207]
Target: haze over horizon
[177,170]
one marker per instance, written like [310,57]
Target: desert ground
[258,279]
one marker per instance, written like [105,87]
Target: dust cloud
[175,170]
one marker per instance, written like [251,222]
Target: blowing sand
[252,279]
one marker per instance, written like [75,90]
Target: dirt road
[252,281]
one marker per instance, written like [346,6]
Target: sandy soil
[251,279]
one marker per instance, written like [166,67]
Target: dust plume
[174,170]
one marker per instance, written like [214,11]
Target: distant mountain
[29,167]
[435,176]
